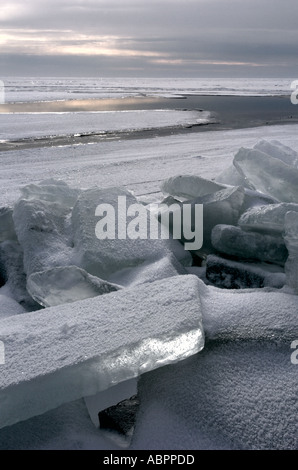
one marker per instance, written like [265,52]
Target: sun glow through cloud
[70,43]
[161,36]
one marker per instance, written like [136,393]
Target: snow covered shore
[140,165]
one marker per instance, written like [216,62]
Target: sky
[149,38]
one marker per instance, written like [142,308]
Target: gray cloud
[165,37]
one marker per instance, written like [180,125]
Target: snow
[18,126]
[140,165]
[63,353]
[67,427]
[242,386]
[226,393]
[234,395]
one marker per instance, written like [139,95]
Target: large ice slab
[268,219]
[268,174]
[59,354]
[291,241]
[250,245]
[105,256]
[276,149]
[189,186]
[40,230]
[62,285]
[249,314]
[41,218]
[232,177]
[254,198]
[51,190]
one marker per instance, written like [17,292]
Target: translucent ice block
[248,245]
[189,186]
[278,150]
[232,177]
[103,254]
[230,274]
[59,354]
[223,206]
[268,219]
[62,285]
[41,218]
[268,174]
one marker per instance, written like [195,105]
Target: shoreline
[227,113]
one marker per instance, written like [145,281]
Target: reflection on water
[232,111]
[112,104]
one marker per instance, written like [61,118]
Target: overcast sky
[140,38]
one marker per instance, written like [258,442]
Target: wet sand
[228,112]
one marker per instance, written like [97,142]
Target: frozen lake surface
[24,89]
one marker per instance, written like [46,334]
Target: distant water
[28,89]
